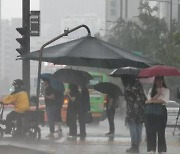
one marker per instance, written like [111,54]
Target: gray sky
[13,8]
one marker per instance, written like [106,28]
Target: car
[172,113]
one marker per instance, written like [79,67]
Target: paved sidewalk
[96,142]
[92,145]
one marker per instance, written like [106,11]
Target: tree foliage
[148,34]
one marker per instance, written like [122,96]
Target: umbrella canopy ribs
[92,52]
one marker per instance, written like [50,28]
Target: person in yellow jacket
[19,98]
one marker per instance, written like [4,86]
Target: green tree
[148,34]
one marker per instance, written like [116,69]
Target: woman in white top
[156,115]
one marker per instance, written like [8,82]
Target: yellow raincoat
[20,101]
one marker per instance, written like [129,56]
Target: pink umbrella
[159,70]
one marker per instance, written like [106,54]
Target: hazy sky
[13,8]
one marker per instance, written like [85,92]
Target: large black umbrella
[108,88]
[92,52]
[72,76]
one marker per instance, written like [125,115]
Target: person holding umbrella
[49,97]
[73,109]
[85,103]
[111,105]
[156,115]
[135,101]
[59,99]
[113,92]
[58,90]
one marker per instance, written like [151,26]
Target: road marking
[97,140]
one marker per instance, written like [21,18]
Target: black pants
[57,114]
[82,125]
[110,114]
[50,110]
[155,128]
[11,117]
[71,121]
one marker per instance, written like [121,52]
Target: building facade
[125,9]
[10,68]
[169,10]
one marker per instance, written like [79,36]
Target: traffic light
[21,41]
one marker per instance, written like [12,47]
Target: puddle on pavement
[8,149]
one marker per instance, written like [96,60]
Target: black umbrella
[108,88]
[92,52]
[125,71]
[72,76]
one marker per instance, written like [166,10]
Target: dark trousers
[110,115]
[136,133]
[155,128]
[82,125]
[11,117]
[58,117]
[72,123]
[50,110]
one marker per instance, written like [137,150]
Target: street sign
[35,23]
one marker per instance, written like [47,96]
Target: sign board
[35,23]
[139,53]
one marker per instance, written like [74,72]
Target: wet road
[95,143]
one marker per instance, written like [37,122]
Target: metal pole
[140,3]
[170,19]
[66,32]
[179,16]
[126,7]
[121,8]
[26,25]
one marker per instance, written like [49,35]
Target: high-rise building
[53,14]
[125,9]
[169,10]
[10,69]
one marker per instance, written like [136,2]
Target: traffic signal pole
[26,26]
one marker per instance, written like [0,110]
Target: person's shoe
[3,122]
[58,131]
[151,152]
[82,138]
[109,133]
[132,150]
[162,153]
[50,136]
[72,137]
[81,135]
[6,131]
